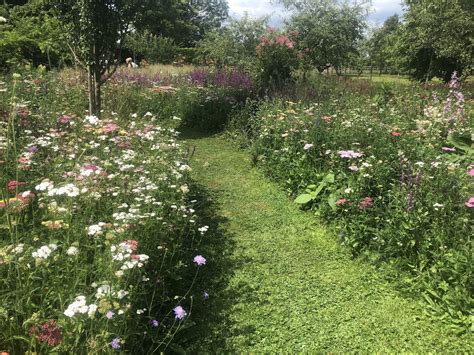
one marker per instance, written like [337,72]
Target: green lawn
[281,282]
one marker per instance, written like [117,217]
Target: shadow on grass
[212,325]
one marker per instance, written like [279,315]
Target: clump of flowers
[49,333]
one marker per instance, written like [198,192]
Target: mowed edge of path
[287,285]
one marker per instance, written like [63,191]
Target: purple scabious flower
[179,312]
[154,323]
[200,260]
[115,343]
[33,149]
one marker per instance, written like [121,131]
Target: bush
[152,48]
[276,59]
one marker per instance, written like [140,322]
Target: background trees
[233,44]
[327,31]
[185,21]
[437,38]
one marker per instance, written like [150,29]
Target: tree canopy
[437,38]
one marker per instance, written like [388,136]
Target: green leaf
[329,178]
[303,199]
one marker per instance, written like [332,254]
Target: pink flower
[350,154]
[470,202]
[471,172]
[366,203]
[395,134]
[64,119]
[341,202]
[13,185]
[448,149]
[110,127]
[200,260]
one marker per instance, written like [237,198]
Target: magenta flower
[200,260]
[179,312]
[471,172]
[470,202]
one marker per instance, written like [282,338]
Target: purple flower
[200,260]
[110,314]
[33,149]
[115,343]
[417,179]
[154,323]
[179,312]
[410,201]
[205,295]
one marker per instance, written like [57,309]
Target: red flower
[13,185]
[341,202]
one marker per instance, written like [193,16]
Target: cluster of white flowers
[203,229]
[124,253]
[80,306]
[72,251]
[96,229]
[45,251]
[92,120]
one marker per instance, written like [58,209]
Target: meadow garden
[301,188]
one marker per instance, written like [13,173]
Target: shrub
[152,48]
[276,59]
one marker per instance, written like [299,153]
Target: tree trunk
[97,91]
[91,90]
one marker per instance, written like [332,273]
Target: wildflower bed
[393,173]
[99,244]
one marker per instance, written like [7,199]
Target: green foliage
[317,297]
[233,45]
[153,49]
[187,55]
[382,44]
[185,21]
[436,38]
[326,31]
[30,35]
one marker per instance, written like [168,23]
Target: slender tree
[95,31]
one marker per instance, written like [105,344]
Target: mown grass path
[281,282]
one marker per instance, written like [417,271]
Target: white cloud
[381,9]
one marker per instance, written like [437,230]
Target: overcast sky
[381,9]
